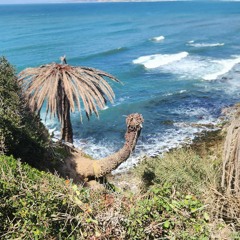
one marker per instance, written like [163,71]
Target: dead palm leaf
[64,88]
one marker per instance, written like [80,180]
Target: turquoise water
[179,62]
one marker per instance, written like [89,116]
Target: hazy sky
[26,1]
[52,1]
[29,1]
[37,1]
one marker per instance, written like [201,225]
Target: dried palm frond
[226,207]
[80,85]
[231,159]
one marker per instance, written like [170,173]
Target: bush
[162,215]
[21,132]
[9,104]
[196,171]
[34,204]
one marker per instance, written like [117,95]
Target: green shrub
[21,132]
[9,104]
[160,215]
[34,204]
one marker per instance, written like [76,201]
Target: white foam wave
[178,92]
[158,39]
[192,112]
[182,91]
[189,66]
[201,114]
[201,45]
[96,150]
[158,60]
[226,66]
[121,100]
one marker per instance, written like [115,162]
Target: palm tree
[64,87]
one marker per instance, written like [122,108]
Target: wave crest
[226,66]
[189,66]
[158,39]
[202,45]
[158,60]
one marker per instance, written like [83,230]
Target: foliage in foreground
[39,205]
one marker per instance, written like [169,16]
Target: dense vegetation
[39,205]
[21,132]
[169,197]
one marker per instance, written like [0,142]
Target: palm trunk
[64,116]
[67,133]
[64,111]
[110,163]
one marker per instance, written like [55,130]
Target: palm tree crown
[64,87]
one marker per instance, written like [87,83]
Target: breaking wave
[203,45]
[226,66]
[158,60]
[189,66]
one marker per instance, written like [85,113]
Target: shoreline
[208,132]
[205,141]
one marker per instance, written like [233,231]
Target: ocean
[179,63]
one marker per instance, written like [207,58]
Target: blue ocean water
[179,63]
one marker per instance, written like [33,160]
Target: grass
[196,170]
[182,168]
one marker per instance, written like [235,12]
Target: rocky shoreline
[212,139]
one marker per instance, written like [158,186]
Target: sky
[27,1]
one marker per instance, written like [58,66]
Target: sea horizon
[27,2]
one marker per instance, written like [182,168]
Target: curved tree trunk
[110,163]
[79,167]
